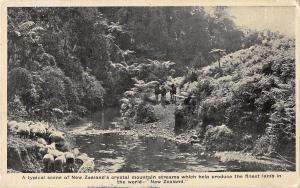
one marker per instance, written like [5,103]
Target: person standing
[163,93]
[156,92]
[173,93]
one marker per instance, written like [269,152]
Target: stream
[115,150]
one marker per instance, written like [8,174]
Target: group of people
[162,91]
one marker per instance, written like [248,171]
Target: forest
[234,87]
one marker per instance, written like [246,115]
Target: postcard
[149,93]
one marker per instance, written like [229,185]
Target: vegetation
[242,84]
[253,96]
[84,67]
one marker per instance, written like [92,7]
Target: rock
[38,130]
[51,146]
[59,163]
[42,150]
[70,157]
[23,130]
[55,152]
[63,146]
[87,167]
[12,126]
[75,151]
[48,161]
[81,159]
[42,141]
[57,136]
[70,162]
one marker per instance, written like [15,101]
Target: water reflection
[120,153]
[116,152]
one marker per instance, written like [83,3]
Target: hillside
[253,96]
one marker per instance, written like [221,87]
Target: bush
[80,110]
[19,81]
[72,118]
[93,92]
[254,97]
[144,113]
[16,108]
[262,145]
[279,136]
[219,138]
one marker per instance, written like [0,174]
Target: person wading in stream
[163,93]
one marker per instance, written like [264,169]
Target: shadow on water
[103,119]
[100,120]
[117,152]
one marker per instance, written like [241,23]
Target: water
[116,151]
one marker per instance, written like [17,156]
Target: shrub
[93,92]
[16,108]
[219,138]
[279,136]
[254,97]
[72,119]
[19,81]
[144,113]
[262,145]
[80,110]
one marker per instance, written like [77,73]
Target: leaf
[26,26]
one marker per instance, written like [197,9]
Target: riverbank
[23,155]
[28,144]
[117,150]
[164,127]
[239,160]
[233,160]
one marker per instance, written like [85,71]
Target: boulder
[48,161]
[87,167]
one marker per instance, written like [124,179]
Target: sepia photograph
[119,89]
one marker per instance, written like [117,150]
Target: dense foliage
[66,62]
[68,58]
[181,34]
[138,100]
[253,94]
